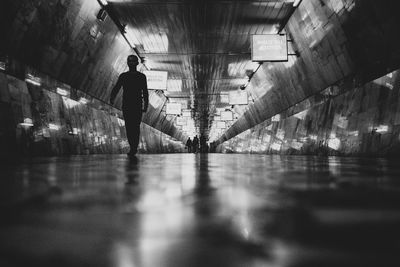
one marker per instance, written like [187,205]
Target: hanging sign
[181,121]
[174,109]
[238,97]
[224,98]
[155,100]
[221,125]
[269,47]
[226,116]
[186,113]
[156,80]
[174,85]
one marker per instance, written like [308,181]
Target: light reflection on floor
[200,210]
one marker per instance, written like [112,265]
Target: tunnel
[295,104]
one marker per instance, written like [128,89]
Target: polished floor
[186,210]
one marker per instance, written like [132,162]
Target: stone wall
[362,121]
[36,121]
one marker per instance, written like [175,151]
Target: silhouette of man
[195,144]
[135,100]
[203,143]
[189,145]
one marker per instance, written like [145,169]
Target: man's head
[133,61]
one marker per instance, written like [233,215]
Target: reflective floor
[186,210]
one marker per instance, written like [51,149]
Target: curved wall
[363,121]
[337,42]
[64,40]
[39,122]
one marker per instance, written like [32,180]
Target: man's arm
[145,92]
[115,90]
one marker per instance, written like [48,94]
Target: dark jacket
[135,90]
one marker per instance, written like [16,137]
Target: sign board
[224,98]
[238,97]
[190,123]
[186,113]
[226,116]
[269,47]
[221,125]
[156,80]
[173,109]
[181,121]
[155,100]
[174,85]
[182,101]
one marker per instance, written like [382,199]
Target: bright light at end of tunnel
[334,143]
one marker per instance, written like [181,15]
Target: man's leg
[132,126]
[136,134]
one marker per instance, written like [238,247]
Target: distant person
[195,144]
[135,100]
[189,145]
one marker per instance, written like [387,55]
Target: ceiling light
[102,15]
[53,126]
[30,78]
[27,122]
[83,100]
[62,92]
[296,3]
[103,2]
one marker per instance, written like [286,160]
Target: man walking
[189,145]
[195,144]
[135,100]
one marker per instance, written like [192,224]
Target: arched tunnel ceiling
[204,44]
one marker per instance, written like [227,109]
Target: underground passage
[141,133]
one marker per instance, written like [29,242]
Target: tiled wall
[336,41]
[38,122]
[362,121]
[64,40]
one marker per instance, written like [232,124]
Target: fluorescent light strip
[54,127]
[34,82]
[62,92]
[103,2]
[26,124]
[83,100]
[296,3]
